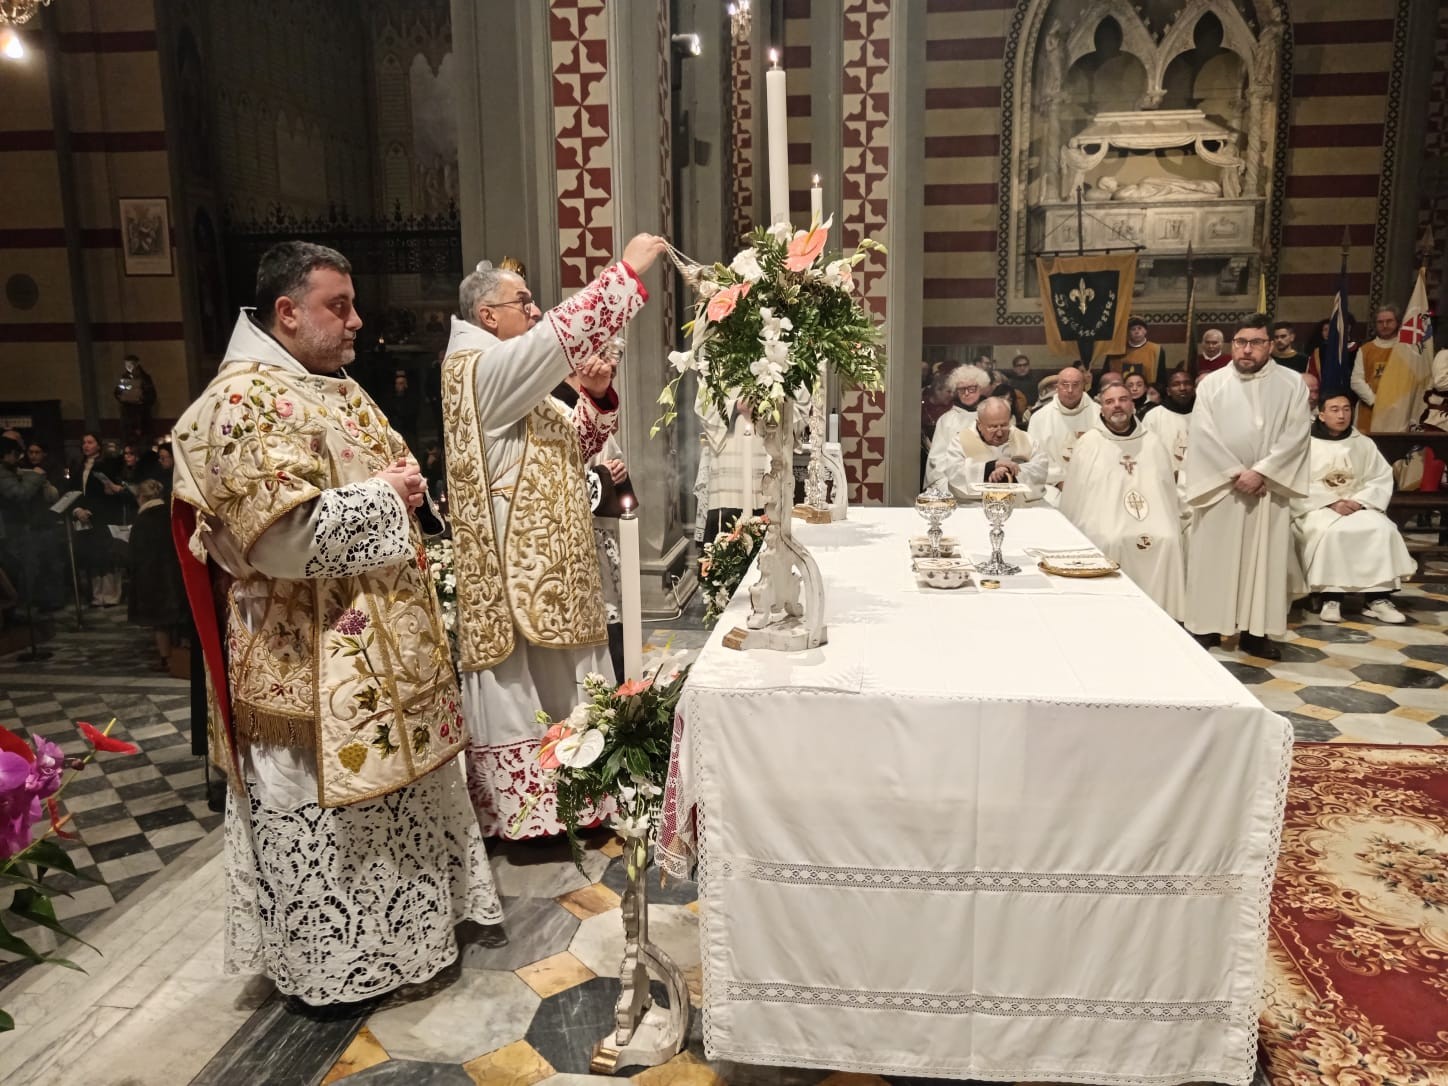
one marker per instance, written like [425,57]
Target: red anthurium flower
[101,741]
[58,820]
[15,745]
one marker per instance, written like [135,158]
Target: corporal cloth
[1121,491]
[531,618]
[1362,551]
[1055,429]
[1013,854]
[1239,548]
[969,457]
[349,859]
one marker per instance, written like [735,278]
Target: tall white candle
[630,593]
[834,428]
[778,139]
[816,202]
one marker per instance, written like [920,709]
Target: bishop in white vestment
[994,451]
[1121,492]
[1057,426]
[1347,542]
[531,619]
[1246,460]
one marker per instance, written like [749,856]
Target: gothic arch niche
[1165,115]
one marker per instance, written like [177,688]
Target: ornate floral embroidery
[586,321]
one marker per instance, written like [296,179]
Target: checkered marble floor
[529,1009]
[134,814]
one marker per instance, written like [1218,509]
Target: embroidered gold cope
[541,572]
[352,669]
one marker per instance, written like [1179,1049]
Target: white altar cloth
[978,834]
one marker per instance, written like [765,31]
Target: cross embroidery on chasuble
[1129,464]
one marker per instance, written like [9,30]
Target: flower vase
[787,603]
[645,1034]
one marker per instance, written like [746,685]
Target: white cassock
[500,703]
[968,456]
[949,425]
[1055,429]
[1173,428]
[1121,492]
[1239,548]
[1361,552]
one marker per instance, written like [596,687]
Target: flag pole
[1190,360]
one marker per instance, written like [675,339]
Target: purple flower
[350,622]
[19,805]
[45,774]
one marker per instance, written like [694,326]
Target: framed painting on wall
[146,235]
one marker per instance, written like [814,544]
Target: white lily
[766,371]
[746,266]
[580,750]
[681,360]
[781,232]
[578,719]
[708,288]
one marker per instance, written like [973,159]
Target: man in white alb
[1246,460]
[994,451]
[1057,425]
[1173,421]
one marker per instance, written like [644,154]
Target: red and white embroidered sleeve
[586,321]
[594,421]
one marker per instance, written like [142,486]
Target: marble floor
[522,1006]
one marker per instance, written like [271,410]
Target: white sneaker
[1384,611]
[1331,611]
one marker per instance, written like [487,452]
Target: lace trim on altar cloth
[972,881]
[360,527]
[341,904]
[973,1003]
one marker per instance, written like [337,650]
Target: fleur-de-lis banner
[1085,302]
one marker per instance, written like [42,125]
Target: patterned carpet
[1358,973]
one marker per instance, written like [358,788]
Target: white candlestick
[816,202]
[747,485]
[630,593]
[777,135]
[834,427]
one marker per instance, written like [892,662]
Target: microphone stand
[36,653]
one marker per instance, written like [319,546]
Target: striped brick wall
[1342,63]
[796,58]
[111,71]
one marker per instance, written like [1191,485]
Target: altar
[1026,833]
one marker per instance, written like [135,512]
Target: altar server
[994,451]
[1058,424]
[531,621]
[1246,460]
[1346,542]
[351,848]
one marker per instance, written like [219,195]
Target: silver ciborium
[997,504]
[935,505]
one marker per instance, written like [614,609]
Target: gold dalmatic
[541,572]
[352,669]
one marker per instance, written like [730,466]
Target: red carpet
[1357,982]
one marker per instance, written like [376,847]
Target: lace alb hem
[360,527]
[981,881]
[340,904]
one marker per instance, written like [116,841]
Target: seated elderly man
[994,451]
[967,385]
[1121,492]
[1346,542]
[1058,424]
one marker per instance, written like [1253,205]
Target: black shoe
[1207,641]
[1261,647]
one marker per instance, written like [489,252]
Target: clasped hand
[1345,507]
[405,478]
[595,375]
[1249,482]
[1005,472]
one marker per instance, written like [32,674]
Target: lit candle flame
[774,58]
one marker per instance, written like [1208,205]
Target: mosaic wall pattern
[582,146]
[741,141]
[865,198]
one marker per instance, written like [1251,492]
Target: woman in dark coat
[158,597]
[99,506]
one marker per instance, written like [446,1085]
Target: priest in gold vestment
[531,620]
[351,848]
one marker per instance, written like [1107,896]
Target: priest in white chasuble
[351,847]
[530,619]
[994,451]
[1347,543]
[967,386]
[1389,377]
[1121,492]
[1057,426]
[1172,422]
[1246,460]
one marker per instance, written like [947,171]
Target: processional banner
[1086,301]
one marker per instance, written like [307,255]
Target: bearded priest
[1121,492]
[531,620]
[351,848]
[1346,540]
[1057,426]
